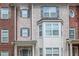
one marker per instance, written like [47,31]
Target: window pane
[4,13]
[50,12]
[24,32]
[40,30]
[48,51]
[4,53]
[55,51]
[24,13]
[4,35]
[55,29]
[41,51]
[49,30]
[72,33]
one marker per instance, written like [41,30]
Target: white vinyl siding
[52,51]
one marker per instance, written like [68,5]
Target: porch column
[67,50]
[70,49]
[32,50]
[15,50]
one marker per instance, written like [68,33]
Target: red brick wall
[9,24]
[73,21]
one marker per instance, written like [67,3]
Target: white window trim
[8,14]
[49,15]
[60,29]
[22,33]
[74,33]
[2,38]
[55,47]
[3,52]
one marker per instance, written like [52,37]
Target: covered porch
[25,48]
[73,47]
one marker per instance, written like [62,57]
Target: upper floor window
[71,13]
[50,12]
[40,30]
[4,36]
[24,13]
[72,33]
[52,29]
[4,13]
[24,32]
[4,53]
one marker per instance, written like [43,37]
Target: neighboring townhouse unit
[6,30]
[73,41]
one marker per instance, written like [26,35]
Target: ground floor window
[40,51]
[52,51]
[4,53]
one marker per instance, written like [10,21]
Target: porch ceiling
[22,43]
[76,41]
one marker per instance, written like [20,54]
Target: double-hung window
[55,51]
[48,51]
[4,13]
[24,32]
[24,13]
[72,33]
[41,51]
[4,53]
[50,12]
[4,36]
[40,30]
[52,29]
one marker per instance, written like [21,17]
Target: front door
[25,52]
[75,50]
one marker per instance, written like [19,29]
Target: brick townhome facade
[39,29]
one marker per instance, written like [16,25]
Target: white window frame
[47,10]
[59,29]
[48,53]
[3,53]
[54,54]
[74,33]
[2,41]
[41,51]
[8,13]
